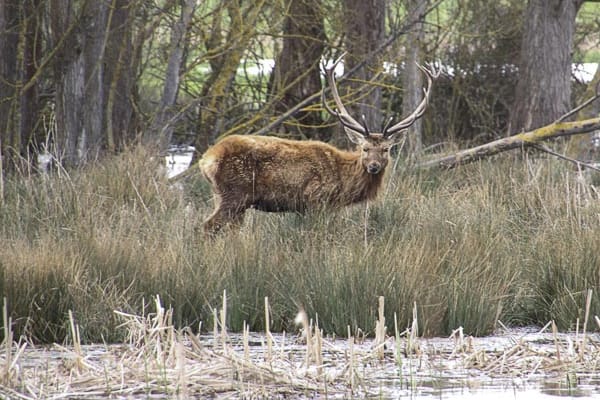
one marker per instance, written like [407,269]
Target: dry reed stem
[269,355]
[79,363]
[351,362]
[224,321]
[246,340]
[556,344]
[588,301]
[412,343]
[318,347]
[7,344]
[525,360]
[380,329]
[215,326]
[177,363]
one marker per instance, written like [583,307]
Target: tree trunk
[413,78]
[162,126]
[543,92]
[94,30]
[297,75]
[581,146]
[120,70]
[364,32]
[67,40]
[30,107]
[214,97]
[94,75]
[9,38]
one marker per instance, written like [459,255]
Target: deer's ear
[355,137]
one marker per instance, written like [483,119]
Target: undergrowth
[509,240]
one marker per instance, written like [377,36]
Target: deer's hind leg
[226,214]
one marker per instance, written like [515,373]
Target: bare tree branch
[521,140]
[526,139]
[391,39]
[580,107]
[579,163]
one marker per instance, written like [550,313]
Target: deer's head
[374,146]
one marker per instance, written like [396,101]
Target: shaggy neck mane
[358,185]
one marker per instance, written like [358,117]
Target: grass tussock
[506,240]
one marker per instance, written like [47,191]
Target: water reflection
[571,385]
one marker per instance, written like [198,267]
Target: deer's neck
[358,184]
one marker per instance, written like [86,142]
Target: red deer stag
[278,175]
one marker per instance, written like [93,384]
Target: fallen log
[520,140]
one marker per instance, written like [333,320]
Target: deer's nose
[373,168]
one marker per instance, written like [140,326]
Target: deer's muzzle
[373,168]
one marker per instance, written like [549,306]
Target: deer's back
[275,174]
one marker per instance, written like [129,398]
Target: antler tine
[431,74]
[387,124]
[341,113]
[329,109]
[363,121]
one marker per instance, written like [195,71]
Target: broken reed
[161,360]
[514,240]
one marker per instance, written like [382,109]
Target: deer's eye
[385,149]
[365,149]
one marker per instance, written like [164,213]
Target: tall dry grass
[511,240]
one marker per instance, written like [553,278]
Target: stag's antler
[431,74]
[341,113]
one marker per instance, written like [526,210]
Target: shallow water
[439,372]
[163,363]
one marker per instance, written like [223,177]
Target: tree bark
[161,130]
[68,41]
[581,146]
[413,78]
[364,32]
[9,38]
[94,30]
[227,56]
[93,77]
[121,65]
[296,74]
[543,91]
[30,107]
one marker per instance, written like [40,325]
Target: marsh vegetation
[514,240]
[160,361]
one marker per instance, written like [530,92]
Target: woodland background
[80,79]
